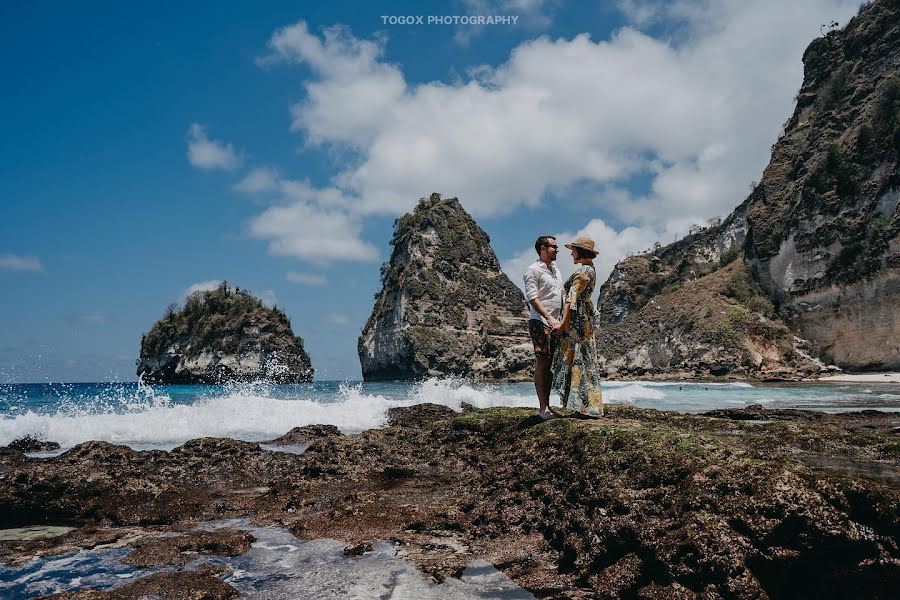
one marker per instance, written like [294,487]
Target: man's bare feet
[547,414]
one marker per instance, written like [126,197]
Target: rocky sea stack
[220,336]
[808,266]
[445,307]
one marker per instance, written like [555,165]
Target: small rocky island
[445,307]
[220,336]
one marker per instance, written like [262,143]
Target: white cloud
[612,246]
[14,262]
[305,278]
[305,229]
[200,286]
[695,112]
[350,77]
[338,318]
[261,179]
[205,153]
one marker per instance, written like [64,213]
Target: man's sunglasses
[554,246]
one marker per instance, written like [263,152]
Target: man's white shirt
[546,284]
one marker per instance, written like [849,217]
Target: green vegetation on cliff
[223,323]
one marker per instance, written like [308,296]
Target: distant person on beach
[576,374]
[543,292]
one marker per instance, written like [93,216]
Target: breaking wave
[166,416]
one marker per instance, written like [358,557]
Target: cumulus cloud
[201,286]
[305,231]
[14,262]
[353,91]
[694,112]
[310,223]
[260,179]
[305,278]
[205,153]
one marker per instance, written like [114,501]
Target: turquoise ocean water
[165,416]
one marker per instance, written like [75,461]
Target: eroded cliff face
[819,233]
[445,307]
[221,336]
[824,221]
[719,324]
[637,279]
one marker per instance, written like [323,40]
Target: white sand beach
[889,377]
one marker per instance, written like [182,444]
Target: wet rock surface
[859,421]
[203,584]
[29,443]
[419,415]
[181,549]
[641,503]
[304,435]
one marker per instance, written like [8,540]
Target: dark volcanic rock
[854,422]
[445,307]
[820,235]
[419,415]
[182,549]
[29,443]
[221,336]
[358,548]
[305,435]
[202,584]
[639,504]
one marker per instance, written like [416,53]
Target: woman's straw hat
[585,243]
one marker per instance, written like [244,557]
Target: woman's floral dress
[576,376]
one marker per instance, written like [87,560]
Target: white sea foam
[631,392]
[159,423]
[149,418]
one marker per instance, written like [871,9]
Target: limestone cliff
[445,307]
[823,221]
[818,234]
[221,336]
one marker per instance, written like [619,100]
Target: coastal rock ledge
[220,336]
[445,307]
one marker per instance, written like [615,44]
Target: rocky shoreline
[733,504]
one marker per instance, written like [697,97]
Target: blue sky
[148,148]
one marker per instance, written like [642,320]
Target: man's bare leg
[542,382]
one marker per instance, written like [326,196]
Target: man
[543,292]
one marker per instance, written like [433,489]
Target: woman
[576,376]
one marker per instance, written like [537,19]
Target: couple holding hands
[562,328]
